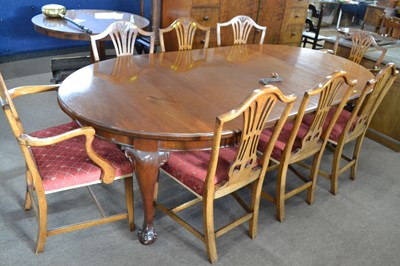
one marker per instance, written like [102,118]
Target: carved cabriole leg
[147,166]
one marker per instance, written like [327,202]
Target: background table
[95,20]
[158,103]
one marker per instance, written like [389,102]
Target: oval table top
[176,96]
[95,20]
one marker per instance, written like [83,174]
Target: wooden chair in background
[352,126]
[185,29]
[373,18]
[210,175]
[241,26]
[361,42]
[65,157]
[391,27]
[312,27]
[123,35]
[298,141]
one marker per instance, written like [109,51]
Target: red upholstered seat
[66,164]
[282,139]
[339,125]
[190,168]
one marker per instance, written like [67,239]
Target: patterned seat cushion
[66,164]
[339,125]
[190,168]
[282,139]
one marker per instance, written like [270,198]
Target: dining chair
[211,175]
[373,18]
[390,27]
[185,29]
[298,141]
[352,126]
[65,157]
[123,35]
[241,26]
[361,42]
[312,27]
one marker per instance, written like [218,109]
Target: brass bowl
[53,10]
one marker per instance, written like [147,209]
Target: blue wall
[17,34]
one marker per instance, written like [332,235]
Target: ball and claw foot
[147,235]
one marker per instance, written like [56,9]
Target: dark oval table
[95,20]
[154,104]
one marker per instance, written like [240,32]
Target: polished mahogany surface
[153,104]
[177,95]
[95,20]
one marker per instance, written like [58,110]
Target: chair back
[254,110]
[241,26]
[361,42]
[9,109]
[185,29]
[391,27]
[313,22]
[123,35]
[370,99]
[334,87]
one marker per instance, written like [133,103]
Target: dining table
[154,104]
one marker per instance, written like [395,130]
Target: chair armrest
[107,171]
[25,90]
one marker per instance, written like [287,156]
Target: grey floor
[359,226]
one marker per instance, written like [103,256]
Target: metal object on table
[274,78]
[59,11]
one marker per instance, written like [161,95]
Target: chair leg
[128,185]
[42,220]
[335,169]
[155,196]
[28,202]
[313,177]
[280,192]
[356,154]
[209,231]
[255,205]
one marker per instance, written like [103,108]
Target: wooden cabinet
[284,18]
[293,22]
[206,12]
